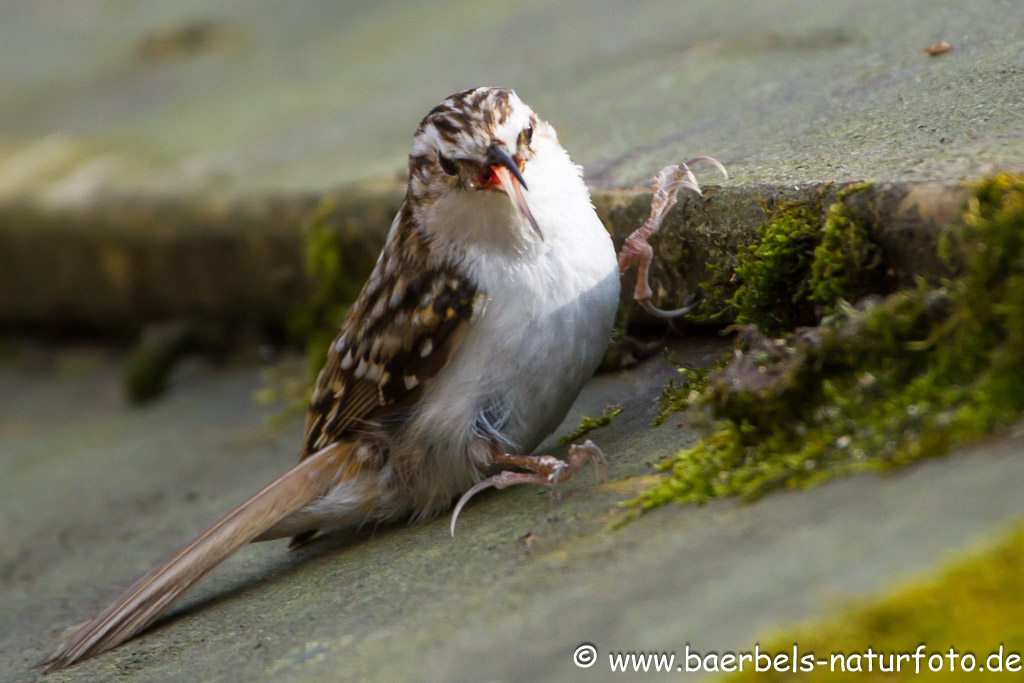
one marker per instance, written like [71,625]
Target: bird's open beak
[508,176]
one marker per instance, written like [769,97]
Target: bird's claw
[589,451]
[665,186]
[545,469]
[660,313]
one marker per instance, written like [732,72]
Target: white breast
[545,327]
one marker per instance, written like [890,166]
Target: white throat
[557,197]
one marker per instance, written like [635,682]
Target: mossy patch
[975,606]
[804,259]
[847,262]
[884,383]
[589,424]
[332,287]
[160,347]
[678,395]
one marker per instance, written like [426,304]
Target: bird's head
[477,143]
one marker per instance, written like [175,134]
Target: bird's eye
[528,134]
[447,165]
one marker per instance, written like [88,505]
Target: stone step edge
[111,266]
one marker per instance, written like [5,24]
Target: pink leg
[545,469]
[665,185]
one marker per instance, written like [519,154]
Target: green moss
[882,384]
[677,397]
[589,424]
[335,279]
[334,283]
[332,287]
[768,283]
[847,262]
[976,606]
[804,259]
[145,372]
[159,349]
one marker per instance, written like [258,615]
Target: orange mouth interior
[488,178]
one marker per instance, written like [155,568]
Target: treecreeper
[491,304]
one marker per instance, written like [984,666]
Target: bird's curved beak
[506,173]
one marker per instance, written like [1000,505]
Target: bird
[490,306]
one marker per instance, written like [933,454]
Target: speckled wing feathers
[406,323]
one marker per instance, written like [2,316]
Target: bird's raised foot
[665,186]
[544,469]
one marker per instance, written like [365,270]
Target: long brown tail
[156,591]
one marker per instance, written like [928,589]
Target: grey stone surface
[205,96]
[94,493]
[231,99]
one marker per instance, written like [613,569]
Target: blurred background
[269,97]
[191,192]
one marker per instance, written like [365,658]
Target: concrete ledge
[111,266]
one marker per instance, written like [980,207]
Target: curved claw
[475,489]
[660,313]
[665,186]
[498,481]
[547,470]
[590,451]
[709,160]
[677,185]
[554,483]
[678,177]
